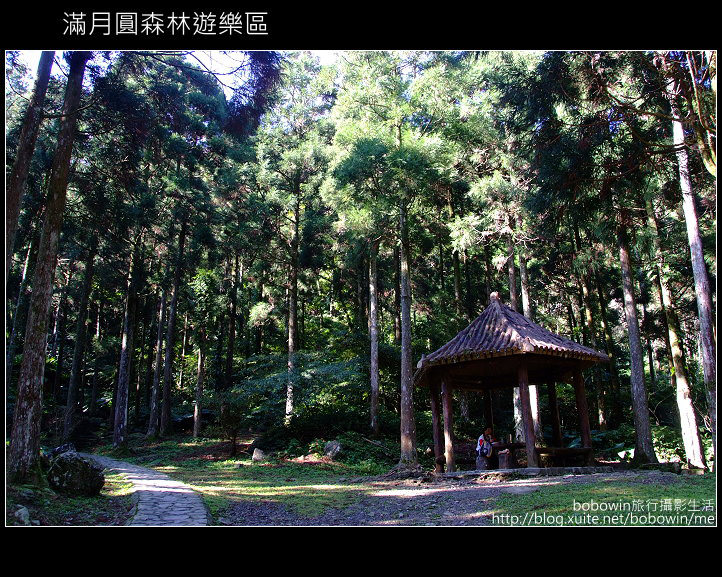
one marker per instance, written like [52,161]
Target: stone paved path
[161,501]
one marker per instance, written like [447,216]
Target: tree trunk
[26,147]
[602,418]
[447,397]
[687,418]
[529,436]
[513,303]
[293,312]
[591,338]
[153,420]
[146,344]
[457,285]
[93,404]
[79,350]
[524,278]
[397,296]
[120,427]
[644,450]
[702,289]
[362,321]
[487,271]
[518,415]
[59,341]
[374,338]
[19,307]
[648,345]
[232,326]
[526,307]
[408,422]
[25,437]
[442,273]
[150,357]
[184,344]
[200,378]
[470,300]
[464,413]
[165,416]
[615,414]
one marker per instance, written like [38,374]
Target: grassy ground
[307,488]
[112,507]
[635,499]
[310,488]
[234,486]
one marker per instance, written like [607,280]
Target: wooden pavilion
[502,348]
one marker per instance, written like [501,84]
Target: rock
[258,456]
[332,449]
[22,515]
[73,475]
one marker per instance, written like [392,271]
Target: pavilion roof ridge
[500,330]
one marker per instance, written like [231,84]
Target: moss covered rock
[74,475]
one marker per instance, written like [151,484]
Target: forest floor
[40,505]
[316,491]
[313,491]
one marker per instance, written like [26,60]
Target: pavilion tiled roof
[501,331]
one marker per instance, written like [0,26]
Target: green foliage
[330,397]
[371,457]
[616,444]
[305,169]
[231,414]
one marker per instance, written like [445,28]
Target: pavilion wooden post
[583,411]
[554,409]
[436,426]
[447,396]
[529,435]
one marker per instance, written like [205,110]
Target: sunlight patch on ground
[406,493]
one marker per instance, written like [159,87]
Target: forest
[266,243]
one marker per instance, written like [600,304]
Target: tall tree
[25,437]
[79,348]
[26,146]
[292,155]
[375,97]
[165,415]
[702,288]
[155,398]
[359,195]
[688,420]
[644,449]
[120,426]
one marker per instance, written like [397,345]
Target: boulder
[74,475]
[332,449]
[258,455]
[22,515]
